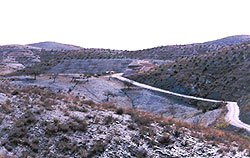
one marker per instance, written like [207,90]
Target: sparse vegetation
[6,107]
[38,130]
[38,122]
[207,76]
[119,111]
[165,139]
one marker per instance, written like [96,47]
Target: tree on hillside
[32,71]
[54,76]
[109,95]
[128,85]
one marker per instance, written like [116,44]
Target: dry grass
[208,133]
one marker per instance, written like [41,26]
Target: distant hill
[45,55]
[54,46]
[172,52]
[231,40]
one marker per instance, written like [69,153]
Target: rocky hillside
[36,122]
[222,75]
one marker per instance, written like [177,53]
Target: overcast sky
[121,24]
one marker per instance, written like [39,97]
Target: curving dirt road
[232,117]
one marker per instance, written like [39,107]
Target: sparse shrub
[8,147]
[16,133]
[222,124]
[34,144]
[109,120]
[141,120]
[109,106]
[50,129]
[64,144]
[132,126]
[2,116]
[29,118]
[146,131]
[48,104]
[15,92]
[6,107]
[119,111]
[80,126]
[165,139]
[77,124]
[176,133]
[77,108]
[138,152]
[97,149]
[64,127]
[88,102]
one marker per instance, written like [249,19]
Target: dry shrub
[208,133]
[6,107]
[119,111]
[97,149]
[15,92]
[109,120]
[48,104]
[88,102]
[108,106]
[77,108]
[165,139]
[138,152]
[218,136]
[222,123]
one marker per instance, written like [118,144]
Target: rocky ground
[108,90]
[37,122]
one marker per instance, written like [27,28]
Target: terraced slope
[41,57]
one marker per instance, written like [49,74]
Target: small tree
[109,94]
[33,71]
[128,85]
[54,76]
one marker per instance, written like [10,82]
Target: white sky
[121,24]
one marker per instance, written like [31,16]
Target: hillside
[69,105]
[37,122]
[172,52]
[53,54]
[231,40]
[45,55]
[17,57]
[222,75]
